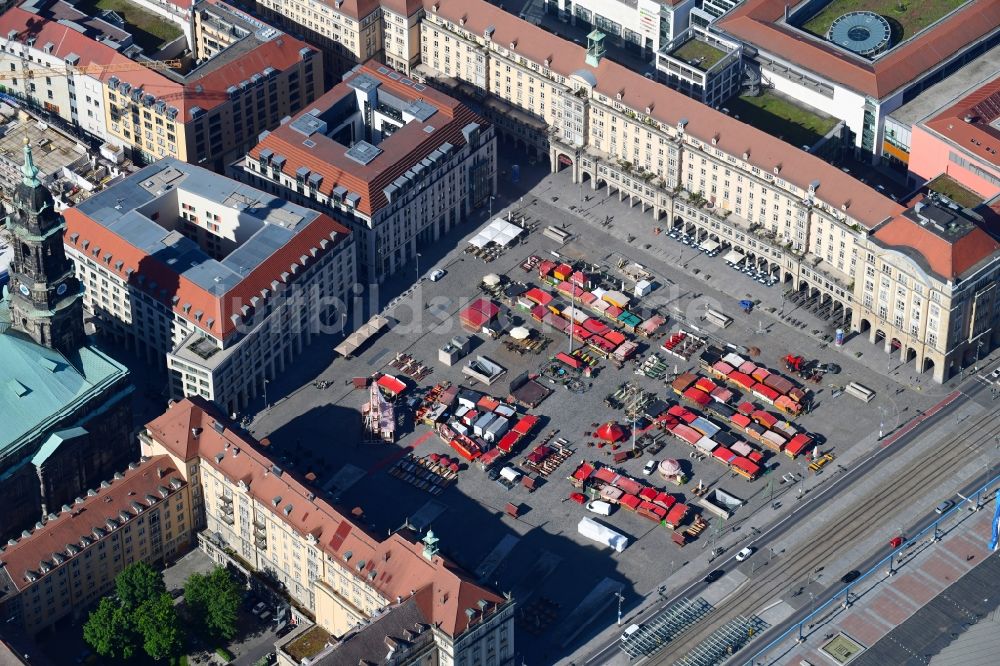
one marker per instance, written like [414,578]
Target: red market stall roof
[572,362]
[538,296]
[390,384]
[683,381]
[487,403]
[652,509]
[576,291]
[580,334]
[765,392]
[724,454]
[472,318]
[615,337]
[687,433]
[556,322]
[596,326]
[491,456]
[652,325]
[538,312]
[588,298]
[722,394]
[606,475]
[665,499]
[750,468]
[744,380]
[797,444]
[578,278]
[539,454]
[647,493]
[610,432]
[630,486]
[583,472]
[697,396]
[563,271]
[722,368]
[755,457]
[602,343]
[630,502]
[507,442]
[676,514]
[748,367]
[612,312]
[705,384]
[760,374]
[545,267]
[745,407]
[764,418]
[525,424]
[469,453]
[741,420]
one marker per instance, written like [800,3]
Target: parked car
[259,608]
[649,468]
[943,506]
[266,614]
[850,576]
[744,554]
[714,575]
[437,275]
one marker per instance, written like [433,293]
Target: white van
[600,507]
[628,632]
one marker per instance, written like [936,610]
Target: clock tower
[45,296]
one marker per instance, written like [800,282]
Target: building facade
[246,77]
[792,214]
[66,405]
[642,25]
[348,31]
[337,574]
[399,163]
[222,283]
[69,561]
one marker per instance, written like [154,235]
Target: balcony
[228,519]
[260,542]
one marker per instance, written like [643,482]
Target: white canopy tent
[500,232]
[734,257]
[360,336]
[709,245]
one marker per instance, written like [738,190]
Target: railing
[843,596]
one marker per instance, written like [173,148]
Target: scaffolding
[724,642]
[663,627]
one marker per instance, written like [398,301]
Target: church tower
[46,299]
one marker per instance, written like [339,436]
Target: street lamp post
[621,598]
[492,197]
[267,405]
[418,264]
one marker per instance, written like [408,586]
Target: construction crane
[92,70]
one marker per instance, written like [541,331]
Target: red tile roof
[977,135]
[219,308]
[759,22]
[443,591]
[402,7]
[205,87]
[68,528]
[402,150]
[948,259]
[668,106]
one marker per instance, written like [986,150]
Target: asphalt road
[750,597]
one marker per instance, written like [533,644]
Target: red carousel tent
[611,432]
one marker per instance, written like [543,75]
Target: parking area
[539,555]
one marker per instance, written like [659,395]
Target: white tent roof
[492,279]
[500,232]
[709,245]
[734,257]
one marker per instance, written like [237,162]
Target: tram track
[873,511]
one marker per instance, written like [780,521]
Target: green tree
[109,630]
[138,582]
[156,619]
[214,601]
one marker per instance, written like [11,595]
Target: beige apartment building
[793,215]
[348,31]
[70,560]
[245,77]
[266,520]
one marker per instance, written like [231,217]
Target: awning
[360,336]
[734,257]
[709,245]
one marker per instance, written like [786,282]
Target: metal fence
[664,626]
